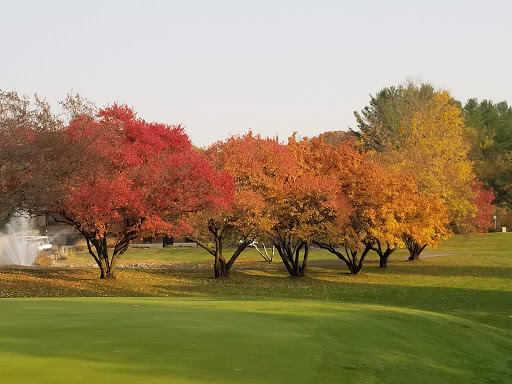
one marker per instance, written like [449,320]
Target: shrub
[43,260]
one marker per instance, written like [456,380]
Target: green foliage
[380,122]
[490,135]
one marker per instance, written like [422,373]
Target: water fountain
[17,242]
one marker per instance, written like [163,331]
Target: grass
[132,340]
[180,255]
[445,319]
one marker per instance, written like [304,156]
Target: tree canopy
[404,179]
[420,130]
[248,159]
[112,173]
[490,134]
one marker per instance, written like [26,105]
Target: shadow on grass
[415,268]
[480,303]
[475,299]
[53,282]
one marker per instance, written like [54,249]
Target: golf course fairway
[156,340]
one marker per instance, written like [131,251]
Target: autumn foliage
[309,192]
[250,161]
[115,174]
[403,181]
[377,208]
[419,130]
[482,220]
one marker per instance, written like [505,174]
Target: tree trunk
[107,269]
[268,258]
[100,256]
[350,258]
[286,262]
[414,255]
[415,250]
[106,264]
[98,240]
[220,266]
[384,256]
[103,269]
[289,251]
[111,274]
[352,267]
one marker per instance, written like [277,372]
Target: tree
[212,232]
[277,197]
[490,133]
[116,175]
[482,221]
[426,223]
[337,137]
[22,121]
[246,160]
[436,152]
[352,174]
[403,214]
[381,122]
[305,204]
[420,131]
[380,204]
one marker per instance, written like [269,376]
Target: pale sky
[224,67]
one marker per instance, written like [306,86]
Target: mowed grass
[444,319]
[156,254]
[135,340]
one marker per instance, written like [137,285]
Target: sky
[225,67]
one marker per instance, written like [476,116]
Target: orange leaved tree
[297,200]
[277,197]
[314,207]
[248,160]
[366,220]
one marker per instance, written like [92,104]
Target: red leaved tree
[482,220]
[126,177]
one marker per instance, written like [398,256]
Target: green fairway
[444,319]
[135,340]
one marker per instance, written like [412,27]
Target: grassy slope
[239,341]
[329,327]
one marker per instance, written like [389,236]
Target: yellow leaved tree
[419,130]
